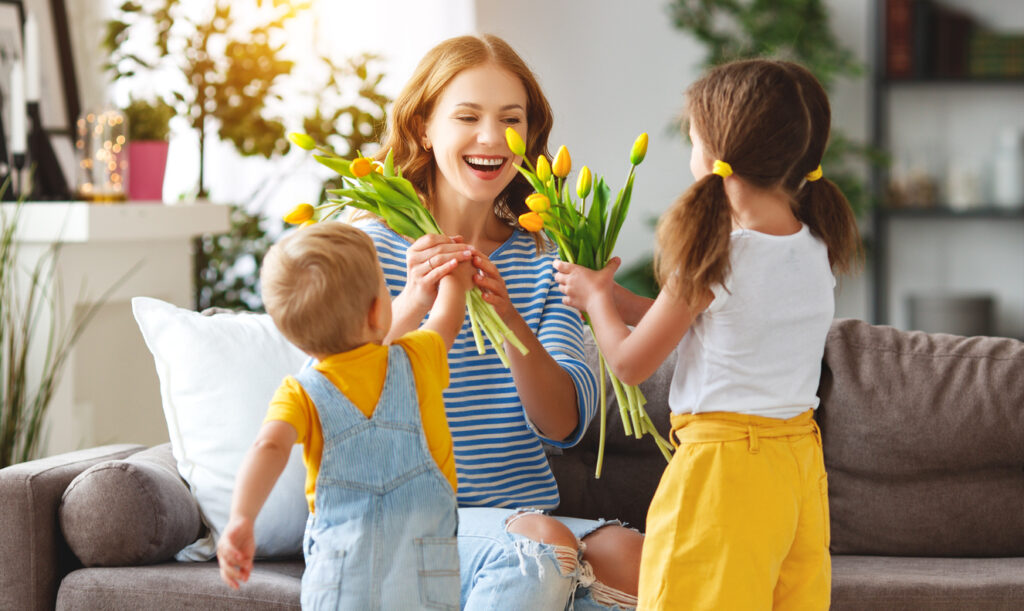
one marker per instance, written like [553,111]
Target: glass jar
[102,156]
[1008,169]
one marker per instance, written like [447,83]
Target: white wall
[614,69]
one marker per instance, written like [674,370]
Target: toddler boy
[378,453]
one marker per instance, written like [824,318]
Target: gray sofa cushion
[924,442]
[127,512]
[884,583]
[181,585]
[29,533]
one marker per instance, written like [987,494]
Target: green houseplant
[148,128]
[231,81]
[35,340]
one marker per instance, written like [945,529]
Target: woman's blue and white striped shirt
[499,457]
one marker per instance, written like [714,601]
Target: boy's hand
[581,285]
[462,275]
[235,550]
[427,261]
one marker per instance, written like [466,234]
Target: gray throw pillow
[129,512]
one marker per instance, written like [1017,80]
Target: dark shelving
[882,214]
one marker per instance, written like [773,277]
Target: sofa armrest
[33,554]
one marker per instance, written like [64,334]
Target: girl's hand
[580,284]
[488,279]
[427,261]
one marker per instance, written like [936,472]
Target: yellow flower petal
[538,202]
[531,221]
[303,141]
[562,164]
[515,142]
[361,166]
[299,214]
[584,182]
[639,149]
[543,169]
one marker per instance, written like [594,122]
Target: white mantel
[109,391]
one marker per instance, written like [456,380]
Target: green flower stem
[635,420]
[475,326]
[603,415]
[620,396]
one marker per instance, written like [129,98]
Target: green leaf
[339,165]
[618,216]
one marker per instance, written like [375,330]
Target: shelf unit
[883,216]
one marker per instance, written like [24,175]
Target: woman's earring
[426,146]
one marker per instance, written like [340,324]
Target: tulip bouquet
[379,188]
[587,238]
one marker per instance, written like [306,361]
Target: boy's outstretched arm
[449,311]
[262,465]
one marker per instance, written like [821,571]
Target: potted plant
[148,126]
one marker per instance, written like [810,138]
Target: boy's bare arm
[449,311]
[260,468]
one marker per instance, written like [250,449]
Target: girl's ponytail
[693,241]
[826,211]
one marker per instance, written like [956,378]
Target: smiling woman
[447,132]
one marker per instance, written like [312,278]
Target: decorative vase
[147,160]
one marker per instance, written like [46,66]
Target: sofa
[924,449]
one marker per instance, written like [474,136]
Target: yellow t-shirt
[359,374]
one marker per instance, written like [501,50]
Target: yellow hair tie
[815,175]
[721,168]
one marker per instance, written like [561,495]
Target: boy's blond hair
[318,284]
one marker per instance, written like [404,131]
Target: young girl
[447,133]
[740,517]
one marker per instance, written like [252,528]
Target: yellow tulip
[515,142]
[307,223]
[562,164]
[361,166]
[538,202]
[543,169]
[531,221]
[584,183]
[379,169]
[302,141]
[299,214]
[639,149]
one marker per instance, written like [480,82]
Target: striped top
[499,457]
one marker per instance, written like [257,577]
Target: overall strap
[336,411]
[399,402]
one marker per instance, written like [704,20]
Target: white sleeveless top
[757,348]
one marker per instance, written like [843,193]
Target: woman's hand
[426,262]
[580,285]
[488,279]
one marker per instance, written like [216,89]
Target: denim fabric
[502,570]
[382,535]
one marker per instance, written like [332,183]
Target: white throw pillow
[217,376]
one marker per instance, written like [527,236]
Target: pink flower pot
[147,160]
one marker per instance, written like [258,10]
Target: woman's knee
[613,553]
[542,528]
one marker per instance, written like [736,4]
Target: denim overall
[383,532]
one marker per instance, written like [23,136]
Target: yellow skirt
[740,517]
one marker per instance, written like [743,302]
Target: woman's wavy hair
[416,102]
[819,203]
[750,114]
